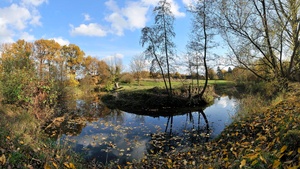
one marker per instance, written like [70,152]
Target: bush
[127,78]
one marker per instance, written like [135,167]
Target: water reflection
[113,135]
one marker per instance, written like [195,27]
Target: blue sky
[101,28]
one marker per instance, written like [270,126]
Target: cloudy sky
[101,28]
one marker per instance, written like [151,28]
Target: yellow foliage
[72,81]
[276,164]
[243,163]
[283,148]
[47,166]
[2,159]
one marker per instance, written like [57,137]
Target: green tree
[220,73]
[17,71]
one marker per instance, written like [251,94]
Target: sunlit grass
[150,83]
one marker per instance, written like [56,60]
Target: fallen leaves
[2,159]
[69,165]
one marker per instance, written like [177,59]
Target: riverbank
[262,136]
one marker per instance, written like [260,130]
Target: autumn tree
[115,67]
[74,57]
[137,65]
[212,74]
[159,39]
[96,69]
[265,30]
[45,52]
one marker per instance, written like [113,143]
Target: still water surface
[122,136]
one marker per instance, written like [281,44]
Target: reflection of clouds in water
[226,102]
[118,144]
[222,102]
[124,136]
[92,140]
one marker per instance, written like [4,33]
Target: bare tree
[202,37]
[263,35]
[137,65]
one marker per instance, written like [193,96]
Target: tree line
[35,74]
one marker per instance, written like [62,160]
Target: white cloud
[174,6]
[27,37]
[92,29]
[5,34]
[87,17]
[134,14]
[150,2]
[188,2]
[113,57]
[60,40]
[34,2]
[175,9]
[112,5]
[118,23]
[16,18]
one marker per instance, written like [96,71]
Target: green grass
[150,83]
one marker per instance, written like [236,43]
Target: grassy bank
[150,83]
[151,95]
[24,145]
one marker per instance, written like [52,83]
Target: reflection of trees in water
[169,140]
[73,115]
[115,116]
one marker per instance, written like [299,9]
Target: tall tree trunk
[205,53]
[167,59]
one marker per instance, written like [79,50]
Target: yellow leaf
[243,163]
[235,154]
[72,166]
[2,159]
[299,150]
[169,160]
[55,165]
[290,153]
[252,156]
[254,162]
[276,164]
[119,167]
[263,159]
[66,165]
[47,166]
[283,148]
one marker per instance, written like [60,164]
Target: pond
[107,135]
